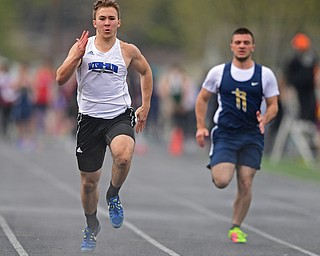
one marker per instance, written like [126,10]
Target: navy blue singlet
[240,100]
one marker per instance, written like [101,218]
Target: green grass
[295,168]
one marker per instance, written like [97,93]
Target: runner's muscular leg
[89,190]
[222,174]
[243,199]
[122,148]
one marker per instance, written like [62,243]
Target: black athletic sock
[112,191]
[235,226]
[92,221]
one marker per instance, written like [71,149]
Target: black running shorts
[95,134]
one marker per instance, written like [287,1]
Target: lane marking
[182,201]
[75,212]
[199,208]
[48,177]
[149,239]
[12,238]
[279,241]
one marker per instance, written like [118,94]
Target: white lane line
[187,203]
[149,239]
[279,241]
[199,208]
[12,238]
[48,177]
[74,212]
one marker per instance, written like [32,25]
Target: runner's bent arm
[139,63]
[73,60]
[270,114]
[201,110]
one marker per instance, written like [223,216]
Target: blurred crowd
[171,119]
[33,107]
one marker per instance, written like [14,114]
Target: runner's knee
[89,185]
[220,183]
[122,161]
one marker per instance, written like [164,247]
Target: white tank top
[102,82]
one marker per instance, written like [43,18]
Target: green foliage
[7,25]
[200,29]
[294,168]
[154,19]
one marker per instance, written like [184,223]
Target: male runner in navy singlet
[237,139]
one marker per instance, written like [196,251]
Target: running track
[171,208]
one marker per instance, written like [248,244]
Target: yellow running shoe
[237,236]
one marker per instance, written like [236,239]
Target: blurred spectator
[62,118]
[178,94]
[300,98]
[42,94]
[70,94]
[22,108]
[153,128]
[7,97]
[300,72]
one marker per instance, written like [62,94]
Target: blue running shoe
[89,239]
[115,211]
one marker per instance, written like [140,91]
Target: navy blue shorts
[237,147]
[95,134]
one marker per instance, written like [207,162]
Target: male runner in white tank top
[105,115]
